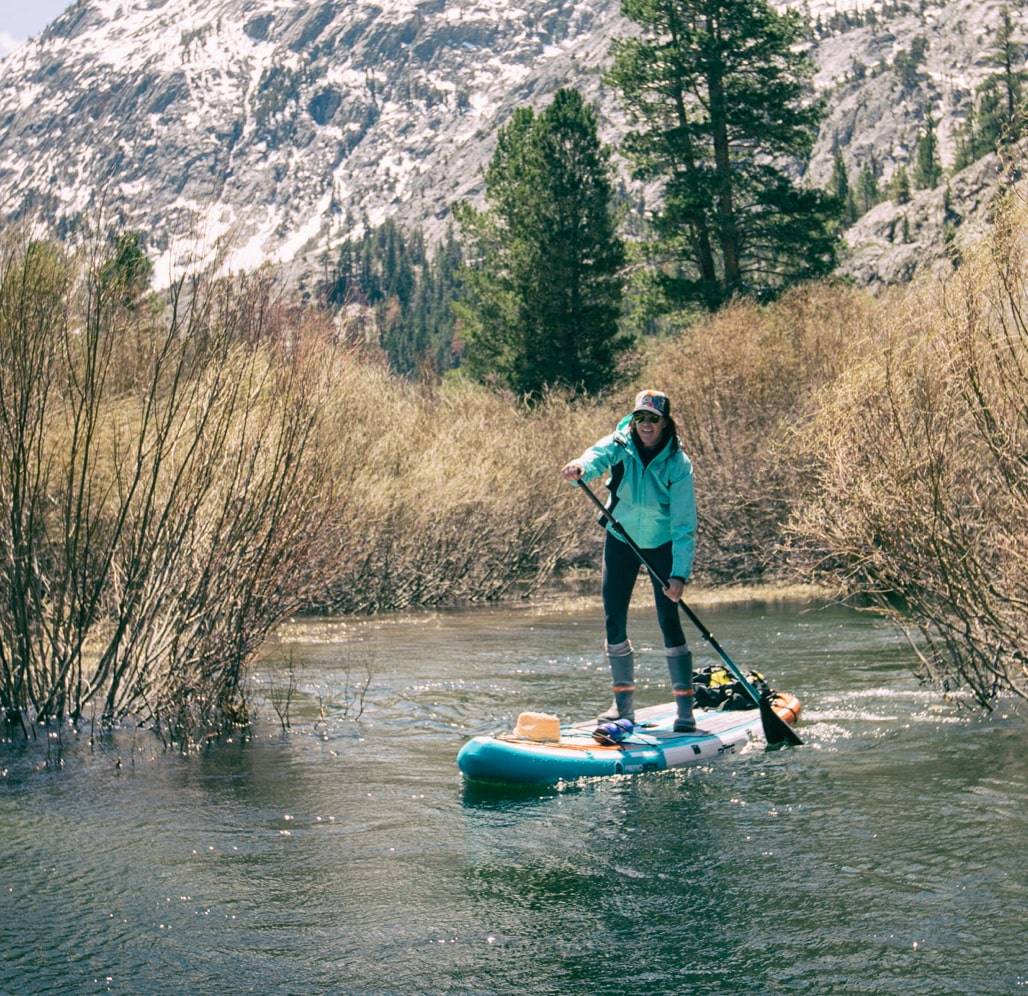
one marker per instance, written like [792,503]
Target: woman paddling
[651,485]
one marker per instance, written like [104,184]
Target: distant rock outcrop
[893,241]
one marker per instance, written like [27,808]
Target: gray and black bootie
[679,664]
[622,674]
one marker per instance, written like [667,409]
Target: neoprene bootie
[622,675]
[679,664]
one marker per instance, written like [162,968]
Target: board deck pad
[652,746]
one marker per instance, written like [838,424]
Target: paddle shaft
[782,730]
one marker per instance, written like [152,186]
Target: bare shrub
[157,487]
[178,476]
[452,493]
[921,456]
[738,382]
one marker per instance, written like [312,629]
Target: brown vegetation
[452,492]
[739,382]
[157,499]
[176,478]
[920,450]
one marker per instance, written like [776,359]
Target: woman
[651,487]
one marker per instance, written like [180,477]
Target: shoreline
[563,596]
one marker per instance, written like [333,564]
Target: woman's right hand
[573,470]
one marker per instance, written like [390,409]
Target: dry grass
[452,493]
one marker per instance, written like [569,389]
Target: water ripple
[349,857]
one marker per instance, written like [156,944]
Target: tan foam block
[539,726]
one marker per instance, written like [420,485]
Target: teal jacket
[655,503]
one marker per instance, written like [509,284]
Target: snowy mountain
[266,129]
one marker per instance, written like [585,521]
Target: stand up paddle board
[652,746]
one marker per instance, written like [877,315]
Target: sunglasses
[644,419]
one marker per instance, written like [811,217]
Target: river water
[885,855]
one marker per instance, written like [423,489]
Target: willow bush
[157,487]
[920,454]
[453,492]
[178,476]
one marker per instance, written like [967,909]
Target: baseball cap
[653,401]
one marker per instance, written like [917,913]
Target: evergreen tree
[971,145]
[446,284]
[542,288]
[841,190]
[1007,54]
[408,295]
[992,117]
[907,64]
[867,188]
[996,116]
[899,188]
[927,168]
[717,89]
[128,270]
[949,215]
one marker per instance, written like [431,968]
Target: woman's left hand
[674,589]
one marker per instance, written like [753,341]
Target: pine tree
[907,64]
[717,90]
[992,116]
[542,288]
[842,191]
[408,295]
[1008,53]
[927,168]
[445,286]
[899,187]
[128,270]
[996,116]
[971,145]
[867,187]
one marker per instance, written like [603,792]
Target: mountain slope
[267,122]
[267,128]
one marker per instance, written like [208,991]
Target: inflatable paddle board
[652,746]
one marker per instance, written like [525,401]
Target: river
[885,855]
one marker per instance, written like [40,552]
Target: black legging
[620,569]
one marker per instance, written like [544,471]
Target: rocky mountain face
[894,242]
[266,130]
[879,94]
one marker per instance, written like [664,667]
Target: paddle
[776,729]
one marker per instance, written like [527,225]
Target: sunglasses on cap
[645,418]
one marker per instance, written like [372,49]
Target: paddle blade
[776,730]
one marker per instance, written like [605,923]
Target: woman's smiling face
[648,427]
